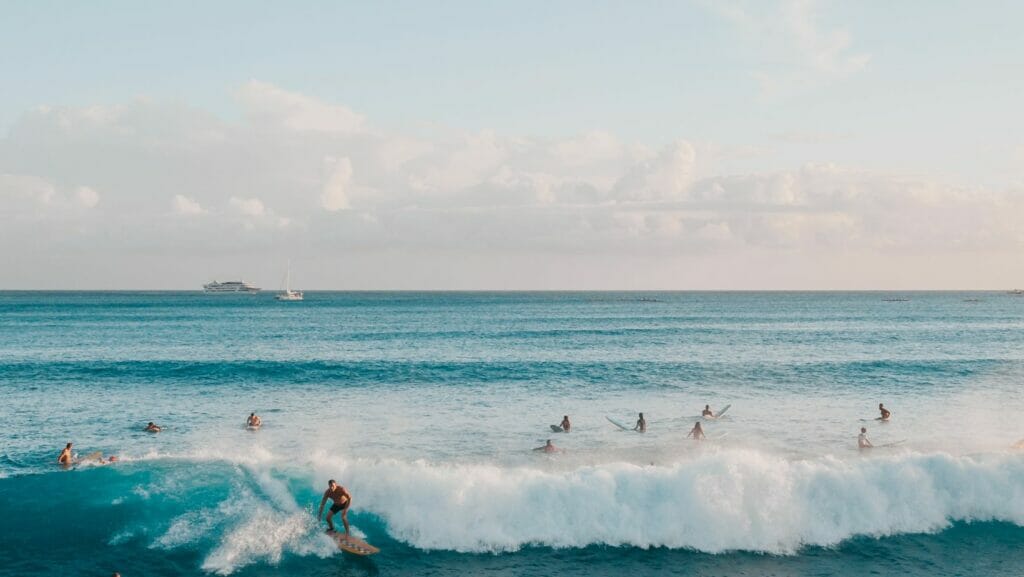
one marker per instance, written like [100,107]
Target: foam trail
[734,500]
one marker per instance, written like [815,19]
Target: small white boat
[288,294]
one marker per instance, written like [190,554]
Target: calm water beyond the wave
[427,405]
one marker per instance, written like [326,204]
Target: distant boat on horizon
[231,286]
[288,294]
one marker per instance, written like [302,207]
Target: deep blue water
[427,405]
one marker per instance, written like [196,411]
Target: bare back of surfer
[697,432]
[341,500]
[641,424]
[253,421]
[884,412]
[152,427]
[566,425]
[862,439]
[707,412]
[65,455]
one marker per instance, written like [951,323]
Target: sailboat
[288,294]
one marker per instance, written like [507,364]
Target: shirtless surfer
[862,439]
[548,447]
[641,424]
[65,457]
[697,432]
[341,501]
[152,428]
[884,412]
[254,421]
[707,412]
[566,425]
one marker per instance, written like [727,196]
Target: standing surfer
[566,425]
[707,412]
[254,421]
[65,456]
[341,500]
[641,424]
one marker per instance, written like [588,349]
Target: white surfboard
[618,424]
[722,412]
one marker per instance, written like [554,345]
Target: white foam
[716,502]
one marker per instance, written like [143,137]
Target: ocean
[427,407]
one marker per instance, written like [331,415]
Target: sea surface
[427,406]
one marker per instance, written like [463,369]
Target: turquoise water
[427,405]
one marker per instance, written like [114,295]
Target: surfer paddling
[641,424]
[152,428]
[254,421]
[697,432]
[548,447]
[862,440]
[341,500]
[884,412]
[566,425]
[65,456]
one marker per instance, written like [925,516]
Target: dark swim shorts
[336,507]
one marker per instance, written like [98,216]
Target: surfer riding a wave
[341,499]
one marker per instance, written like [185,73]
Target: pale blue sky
[914,90]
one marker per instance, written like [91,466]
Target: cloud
[248,206]
[186,206]
[87,197]
[263,184]
[338,173]
[269,105]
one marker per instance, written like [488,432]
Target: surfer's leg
[330,522]
[344,518]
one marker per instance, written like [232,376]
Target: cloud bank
[152,181]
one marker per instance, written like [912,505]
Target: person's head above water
[252,414]
[707,406]
[565,417]
[863,430]
[641,415]
[881,405]
[68,446]
[150,424]
[332,483]
[549,442]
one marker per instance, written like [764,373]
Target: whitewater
[427,406]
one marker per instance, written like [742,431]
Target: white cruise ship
[231,286]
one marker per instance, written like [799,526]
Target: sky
[688,145]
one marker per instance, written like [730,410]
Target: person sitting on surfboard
[152,428]
[253,421]
[707,412]
[697,432]
[65,455]
[566,425]
[885,412]
[641,424]
[862,439]
[548,447]
[341,499]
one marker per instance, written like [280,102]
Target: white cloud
[590,195]
[337,174]
[87,197]
[270,105]
[248,206]
[186,206]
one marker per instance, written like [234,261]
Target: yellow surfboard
[352,544]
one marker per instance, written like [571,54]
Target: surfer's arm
[320,513]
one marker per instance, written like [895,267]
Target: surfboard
[720,413]
[252,427]
[892,444]
[557,429]
[618,424]
[352,544]
[95,456]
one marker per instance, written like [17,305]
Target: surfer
[253,421]
[641,424]
[566,425]
[65,456]
[152,428]
[885,412]
[707,412]
[697,432]
[862,439]
[341,501]
[548,447]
